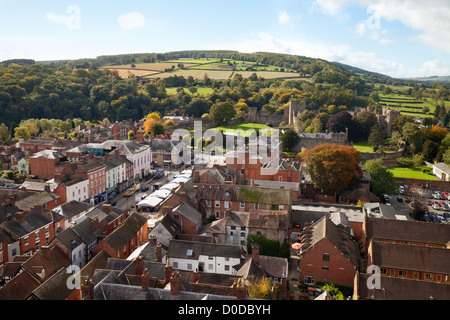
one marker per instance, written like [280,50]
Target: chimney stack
[106,207]
[239,290]
[20,216]
[39,206]
[255,254]
[145,280]
[12,199]
[138,266]
[45,251]
[167,272]
[196,277]
[158,252]
[175,283]
[87,290]
[95,223]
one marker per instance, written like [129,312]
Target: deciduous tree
[333,168]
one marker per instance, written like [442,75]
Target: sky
[399,38]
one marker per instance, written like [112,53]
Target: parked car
[399,199]
[144,188]
[427,217]
[434,217]
[440,217]
[436,206]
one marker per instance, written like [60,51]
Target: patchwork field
[214,68]
[196,74]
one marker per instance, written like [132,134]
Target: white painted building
[204,257]
[77,189]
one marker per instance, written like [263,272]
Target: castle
[288,117]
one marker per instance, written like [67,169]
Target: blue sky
[400,38]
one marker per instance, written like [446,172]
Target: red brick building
[46,163]
[33,230]
[132,233]
[328,254]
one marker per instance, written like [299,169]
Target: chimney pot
[139,266]
[255,254]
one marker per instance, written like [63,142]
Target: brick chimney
[175,283]
[139,266]
[87,289]
[239,290]
[106,207]
[39,206]
[145,280]
[158,252]
[196,277]
[58,177]
[20,216]
[255,254]
[95,223]
[12,199]
[91,154]
[167,272]
[9,217]
[45,251]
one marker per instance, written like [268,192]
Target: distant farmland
[197,68]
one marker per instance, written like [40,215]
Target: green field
[407,104]
[200,90]
[411,172]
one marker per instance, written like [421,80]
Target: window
[210,266]
[256,205]
[208,203]
[401,273]
[25,240]
[309,280]
[280,179]
[325,268]
[415,275]
[227,268]
[428,276]
[189,266]
[217,203]
[175,265]
[326,257]
[226,204]
[242,204]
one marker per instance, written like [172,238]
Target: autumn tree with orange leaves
[333,168]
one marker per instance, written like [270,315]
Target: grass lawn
[244,127]
[411,172]
[363,146]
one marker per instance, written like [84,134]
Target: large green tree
[221,112]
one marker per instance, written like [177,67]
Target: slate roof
[403,289]
[179,248]
[244,193]
[34,220]
[408,257]
[170,225]
[188,212]
[27,203]
[7,209]
[407,230]
[126,231]
[72,208]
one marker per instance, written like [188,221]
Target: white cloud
[132,20]
[72,21]
[284,17]
[429,18]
